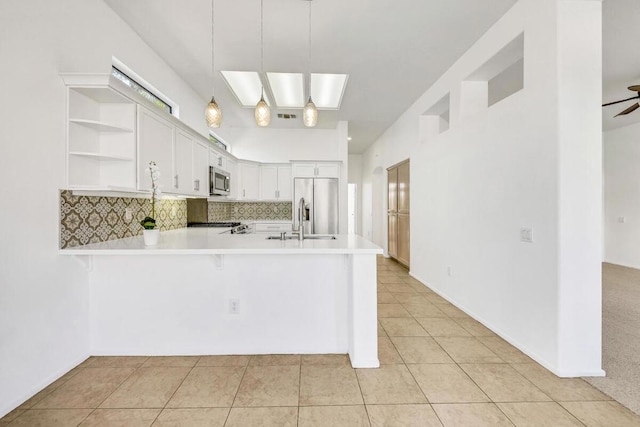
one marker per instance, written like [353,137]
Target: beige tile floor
[438,367]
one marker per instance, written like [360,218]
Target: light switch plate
[526,235]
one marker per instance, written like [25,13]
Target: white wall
[44,296]
[355,177]
[515,164]
[622,196]
[272,145]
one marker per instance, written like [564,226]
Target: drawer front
[272,228]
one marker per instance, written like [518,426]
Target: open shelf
[100,126]
[100,156]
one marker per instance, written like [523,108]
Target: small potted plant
[151,232]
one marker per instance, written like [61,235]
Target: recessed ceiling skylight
[327,90]
[245,85]
[287,89]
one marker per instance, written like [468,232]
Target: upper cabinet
[248,180]
[316,169]
[200,179]
[192,165]
[156,143]
[275,182]
[218,160]
[182,159]
[184,164]
[101,139]
[111,138]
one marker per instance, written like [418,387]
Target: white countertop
[209,241]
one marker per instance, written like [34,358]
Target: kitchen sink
[306,237]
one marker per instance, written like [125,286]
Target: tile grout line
[495,404]
[407,367]
[176,390]
[235,396]
[299,393]
[364,402]
[114,390]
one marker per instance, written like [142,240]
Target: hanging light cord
[262,41]
[309,50]
[213,72]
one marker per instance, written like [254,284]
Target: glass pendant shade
[263,113]
[213,114]
[310,114]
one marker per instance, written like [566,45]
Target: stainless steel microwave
[219,182]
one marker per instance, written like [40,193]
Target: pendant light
[212,113]
[262,113]
[310,112]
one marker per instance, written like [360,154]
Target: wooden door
[404,240]
[392,212]
[403,189]
[392,179]
[392,232]
[398,218]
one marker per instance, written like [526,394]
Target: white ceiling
[393,51]
[620,60]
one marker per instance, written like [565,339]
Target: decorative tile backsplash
[93,219]
[249,211]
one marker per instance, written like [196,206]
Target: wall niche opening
[435,120]
[504,71]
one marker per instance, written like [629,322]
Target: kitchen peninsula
[200,292]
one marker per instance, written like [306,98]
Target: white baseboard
[7,407]
[515,343]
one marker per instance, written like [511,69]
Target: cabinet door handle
[315,171]
[243,193]
[175,178]
[196,185]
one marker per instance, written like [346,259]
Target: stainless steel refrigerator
[320,215]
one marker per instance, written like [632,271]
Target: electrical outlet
[128,214]
[622,219]
[234,306]
[526,235]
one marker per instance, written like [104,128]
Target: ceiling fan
[634,107]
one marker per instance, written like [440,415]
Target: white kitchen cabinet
[155,143]
[316,170]
[285,183]
[200,183]
[191,165]
[275,182]
[182,179]
[218,160]
[101,144]
[249,177]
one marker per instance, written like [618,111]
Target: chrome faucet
[301,216]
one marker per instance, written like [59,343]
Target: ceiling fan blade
[631,109]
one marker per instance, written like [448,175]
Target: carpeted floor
[620,335]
